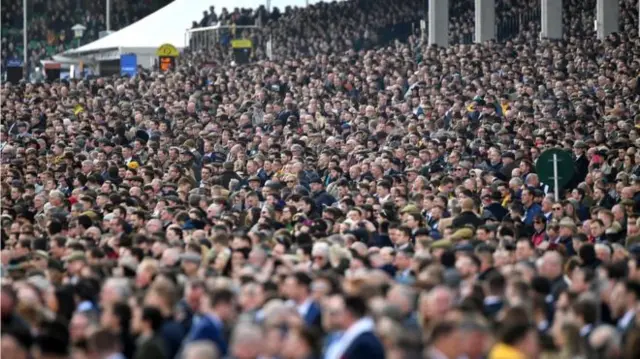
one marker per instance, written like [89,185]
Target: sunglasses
[557,208]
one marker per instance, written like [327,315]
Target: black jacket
[466,217]
[152,348]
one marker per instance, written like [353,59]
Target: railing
[510,27]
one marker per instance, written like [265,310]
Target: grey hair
[200,349]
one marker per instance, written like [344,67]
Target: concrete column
[485,20]
[607,13]
[551,19]
[439,23]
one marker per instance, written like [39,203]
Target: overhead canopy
[168,25]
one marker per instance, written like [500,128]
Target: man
[532,209]
[493,206]
[446,338]
[217,308]
[319,195]
[630,298]
[297,287]
[359,339]
[402,262]
[162,295]
[116,318]
[105,343]
[467,216]
[552,270]
[581,161]
[150,342]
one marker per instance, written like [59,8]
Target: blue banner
[14,62]
[128,65]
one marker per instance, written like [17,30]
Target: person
[148,326]
[105,343]
[217,308]
[358,339]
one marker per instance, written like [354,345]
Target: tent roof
[169,24]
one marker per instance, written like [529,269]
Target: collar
[303,308]
[492,299]
[624,322]
[585,330]
[364,325]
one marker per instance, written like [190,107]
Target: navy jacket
[208,329]
[313,317]
[172,333]
[322,199]
[497,210]
[366,345]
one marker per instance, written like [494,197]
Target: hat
[191,257]
[316,180]
[580,144]
[441,244]
[628,202]
[75,256]
[133,165]
[170,185]
[254,179]
[462,234]
[41,254]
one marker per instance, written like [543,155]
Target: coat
[466,217]
[152,348]
[172,333]
[366,345]
[210,329]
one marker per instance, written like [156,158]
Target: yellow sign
[241,44]
[167,50]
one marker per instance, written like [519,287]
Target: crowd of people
[380,203]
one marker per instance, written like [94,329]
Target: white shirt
[304,307]
[585,330]
[624,322]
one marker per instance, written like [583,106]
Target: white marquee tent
[167,25]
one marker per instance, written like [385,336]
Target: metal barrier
[219,37]
[509,28]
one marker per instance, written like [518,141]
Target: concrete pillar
[485,20]
[607,13]
[439,23]
[551,19]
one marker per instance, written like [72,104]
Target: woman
[570,210]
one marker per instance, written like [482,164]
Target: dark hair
[442,329]
[123,312]
[303,279]
[153,316]
[221,296]
[104,340]
[356,305]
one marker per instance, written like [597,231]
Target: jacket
[466,217]
[504,351]
[172,333]
[210,329]
[152,348]
[322,199]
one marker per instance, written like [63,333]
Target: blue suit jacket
[207,329]
[172,334]
[313,317]
[366,345]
